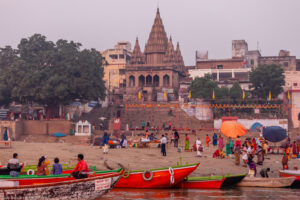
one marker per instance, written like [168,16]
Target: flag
[270,96]
[165,95]
[213,96]
[243,94]
[140,95]
[288,96]
[190,94]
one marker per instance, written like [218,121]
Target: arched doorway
[166,80]
[131,81]
[141,81]
[148,81]
[156,81]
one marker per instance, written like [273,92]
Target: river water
[180,194]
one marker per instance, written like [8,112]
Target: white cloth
[198,144]
[13,161]
[163,140]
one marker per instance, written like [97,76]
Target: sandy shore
[135,158]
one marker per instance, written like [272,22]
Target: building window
[149,81]
[141,81]
[156,81]
[121,56]
[286,64]
[166,80]
[131,81]
[113,56]
[252,61]
[295,84]
[219,66]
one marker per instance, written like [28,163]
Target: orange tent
[232,129]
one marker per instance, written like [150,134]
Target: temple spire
[137,56]
[169,57]
[178,55]
[157,41]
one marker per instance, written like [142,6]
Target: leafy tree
[50,73]
[236,91]
[203,87]
[267,78]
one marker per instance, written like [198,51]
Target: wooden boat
[89,188]
[291,173]
[24,180]
[156,178]
[267,182]
[209,182]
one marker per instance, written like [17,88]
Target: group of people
[80,171]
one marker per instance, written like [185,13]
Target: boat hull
[267,182]
[36,180]
[89,188]
[201,184]
[161,178]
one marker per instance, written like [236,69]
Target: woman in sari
[221,144]
[228,148]
[187,142]
[294,149]
[207,140]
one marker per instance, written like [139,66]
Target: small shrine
[83,128]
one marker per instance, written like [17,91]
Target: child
[105,149]
[56,168]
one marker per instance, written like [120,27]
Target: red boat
[291,173]
[155,178]
[202,183]
[36,180]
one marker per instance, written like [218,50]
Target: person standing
[170,125]
[187,142]
[6,136]
[228,149]
[284,161]
[238,142]
[163,142]
[105,139]
[215,139]
[198,146]
[237,155]
[221,142]
[143,125]
[244,155]
[81,170]
[176,135]
[57,167]
[207,140]
[13,166]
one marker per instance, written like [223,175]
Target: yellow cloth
[47,162]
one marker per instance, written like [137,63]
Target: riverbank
[135,158]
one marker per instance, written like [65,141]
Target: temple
[157,70]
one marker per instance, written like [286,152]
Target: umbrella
[233,129]
[274,133]
[255,126]
[58,134]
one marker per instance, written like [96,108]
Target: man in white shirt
[163,142]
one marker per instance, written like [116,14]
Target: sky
[267,25]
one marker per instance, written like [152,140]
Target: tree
[265,79]
[236,91]
[51,73]
[203,87]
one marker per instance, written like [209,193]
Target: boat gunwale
[165,168]
[215,177]
[8,177]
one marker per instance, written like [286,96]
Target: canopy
[232,129]
[274,133]
[255,126]
[58,134]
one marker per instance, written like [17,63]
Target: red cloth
[81,167]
